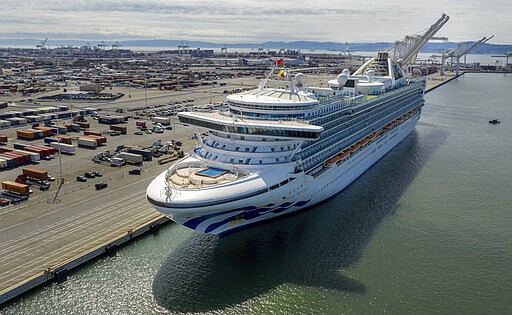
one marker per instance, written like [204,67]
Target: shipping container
[84,125]
[132,158]
[25,134]
[64,147]
[14,187]
[92,133]
[35,173]
[63,139]
[121,129]
[86,142]
[17,121]
[74,127]
[22,158]
[140,123]
[15,159]
[3,139]
[33,156]
[20,146]
[46,131]
[3,163]
[109,120]
[162,120]
[99,139]
[9,160]
[47,149]
[146,154]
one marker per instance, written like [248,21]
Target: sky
[255,21]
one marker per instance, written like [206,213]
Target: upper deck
[246,126]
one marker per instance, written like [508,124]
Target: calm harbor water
[426,230]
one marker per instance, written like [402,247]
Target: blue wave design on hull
[249,213]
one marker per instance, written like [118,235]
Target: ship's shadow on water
[310,248]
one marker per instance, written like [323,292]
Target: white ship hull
[303,191]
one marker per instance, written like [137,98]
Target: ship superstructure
[282,146]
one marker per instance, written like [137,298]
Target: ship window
[232,160]
[241,161]
[246,149]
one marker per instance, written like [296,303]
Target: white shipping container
[64,147]
[162,120]
[91,143]
[5,123]
[3,163]
[34,156]
[131,157]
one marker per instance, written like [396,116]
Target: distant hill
[433,47]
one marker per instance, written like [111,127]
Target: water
[426,230]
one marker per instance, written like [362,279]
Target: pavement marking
[74,204]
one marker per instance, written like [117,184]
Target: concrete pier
[436,80]
[66,235]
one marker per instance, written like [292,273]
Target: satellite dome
[299,78]
[342,79]
[346,72]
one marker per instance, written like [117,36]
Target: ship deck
[199,177]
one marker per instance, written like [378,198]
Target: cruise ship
[283,146]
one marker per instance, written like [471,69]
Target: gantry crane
[505,55]
[42,45]
[406,50]
[460,50]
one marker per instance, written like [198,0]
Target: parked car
[135,171]
[81,179]
[139,133]
[101,185]
[97,174]
[90,174]
[51,178]
[4,202]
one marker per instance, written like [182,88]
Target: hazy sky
[236,21]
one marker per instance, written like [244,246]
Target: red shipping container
[92,133]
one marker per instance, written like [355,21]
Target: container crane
[406,50]
[183,47]
[116,45]
[505,55]
[460,50]
[42,45]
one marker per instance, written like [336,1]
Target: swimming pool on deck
[212,172]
